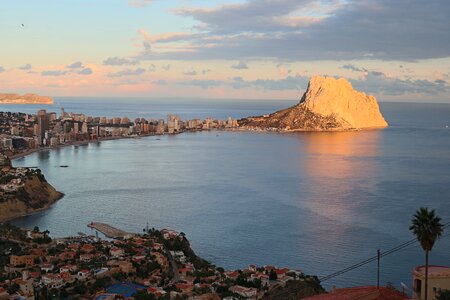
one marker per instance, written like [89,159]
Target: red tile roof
[368,292]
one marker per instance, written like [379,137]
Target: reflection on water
[336,164]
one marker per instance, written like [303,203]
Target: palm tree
[427,227]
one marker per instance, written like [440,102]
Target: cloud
[85,71]
[353,68]
[378,83]
[139,3]
[205,84]
[25,67]
[53,72]
[283,70]
[120,61]
[127,72]
[2,69]
[160,82]
[75,65]
[285,30]
[240,66]
[289,83]
[190,73]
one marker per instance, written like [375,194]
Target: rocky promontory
[24,99]
[327,104]
[23,191]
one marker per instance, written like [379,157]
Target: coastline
[76,143]
[34,211]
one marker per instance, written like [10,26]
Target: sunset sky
[261,49]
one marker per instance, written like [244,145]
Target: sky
[244,49]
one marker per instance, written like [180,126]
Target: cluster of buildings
[87,267]
[12,179]
[19,131]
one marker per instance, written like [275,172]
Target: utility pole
[378,269]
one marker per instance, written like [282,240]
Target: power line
[374,258]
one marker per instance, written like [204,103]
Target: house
[68,269]
[116,252]
[252,268]
[438,279]
[53,281]
[185,288]
[243,291]
[27,260]
[87,248]
[169,234]
[157,291]
[100,272]
[67,277]
[157,246]
[86,257]
[25,286]
[67,255]
[83,275]
[46,267]
[232,274]
[178,256]
[126,267]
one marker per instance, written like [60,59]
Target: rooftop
[433,271]
[365,292]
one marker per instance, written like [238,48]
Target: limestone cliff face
[328,104]
[24,99]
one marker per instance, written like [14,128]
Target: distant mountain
[327,104]
[25,99]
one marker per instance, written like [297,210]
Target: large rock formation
[327,104]
[25,99]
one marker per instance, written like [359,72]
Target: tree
[444,295]
[427,228]
[273,275]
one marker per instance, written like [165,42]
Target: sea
[318,202]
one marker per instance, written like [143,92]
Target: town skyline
[237,49]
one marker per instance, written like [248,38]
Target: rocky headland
[23,191]
[328,104]
[24,99]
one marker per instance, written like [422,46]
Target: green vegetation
[443,295]
[427,227]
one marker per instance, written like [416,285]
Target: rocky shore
[23,191]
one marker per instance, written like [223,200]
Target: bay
[318,202]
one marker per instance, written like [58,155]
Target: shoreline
[76,143]
[238,129]
[35,211]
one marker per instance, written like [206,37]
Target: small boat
[63,166]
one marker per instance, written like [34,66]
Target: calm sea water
[318,202]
